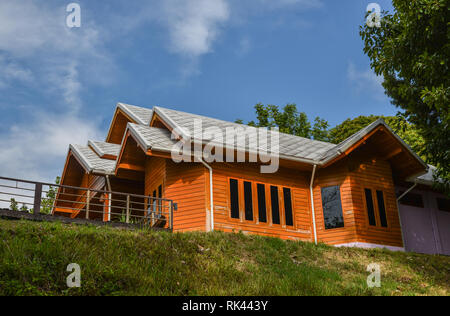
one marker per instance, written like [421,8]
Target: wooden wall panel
[335,175]
[185,184]
[376,174]
[353,175]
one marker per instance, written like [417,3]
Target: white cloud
[193,25]
[35,149]
[11,71]
[35,34]
[366,81]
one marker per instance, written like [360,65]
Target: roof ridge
[245,125]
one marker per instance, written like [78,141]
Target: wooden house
[321,192]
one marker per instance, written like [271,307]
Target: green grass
[34,257]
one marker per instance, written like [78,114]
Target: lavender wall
[425,230]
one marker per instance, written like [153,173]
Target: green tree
[411,51]
[407,131]
[320,130]
[47,202]
[289,120]
[14,206]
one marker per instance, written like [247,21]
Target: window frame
[255,202]
[374,190]
[328,185]
[229,200]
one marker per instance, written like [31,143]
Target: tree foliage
[290,121]
[411,51]
[47,202]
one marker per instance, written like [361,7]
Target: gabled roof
[290,146]
[104,149]
[91,162]
[139,114]
[355,138]
[152,138]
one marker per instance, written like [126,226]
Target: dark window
[381,209]
[275,205]
[443,204]
[234,198]
[332,207]
[370,207]
[261,188]
[412,199]
[248,199]
[288,206]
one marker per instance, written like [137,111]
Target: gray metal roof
[139,114]
[152,137]
[426,179]
[91,161]
[290,146]
[102,148]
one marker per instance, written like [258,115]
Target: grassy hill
[34,257]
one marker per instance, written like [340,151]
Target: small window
[234,198]
[262,212]
[275,205]
[370,207]
[443,204]
[412,199]
[248,199]
[381,209]
[332,207]
[288,207]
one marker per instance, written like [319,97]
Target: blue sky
[212,57]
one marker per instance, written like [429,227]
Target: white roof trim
[124,107]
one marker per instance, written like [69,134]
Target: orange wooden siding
[332,176]
[371,173]
[186,185]
[376,175]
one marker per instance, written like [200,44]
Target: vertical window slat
[248,201]
[234,198]
[381,209]
[262,208]
[275,203]
[370,207]
[288,207]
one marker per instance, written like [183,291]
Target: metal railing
[77,202]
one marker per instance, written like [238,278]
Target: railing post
[88,197]
[171,215]
[128,209]
[37,198]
